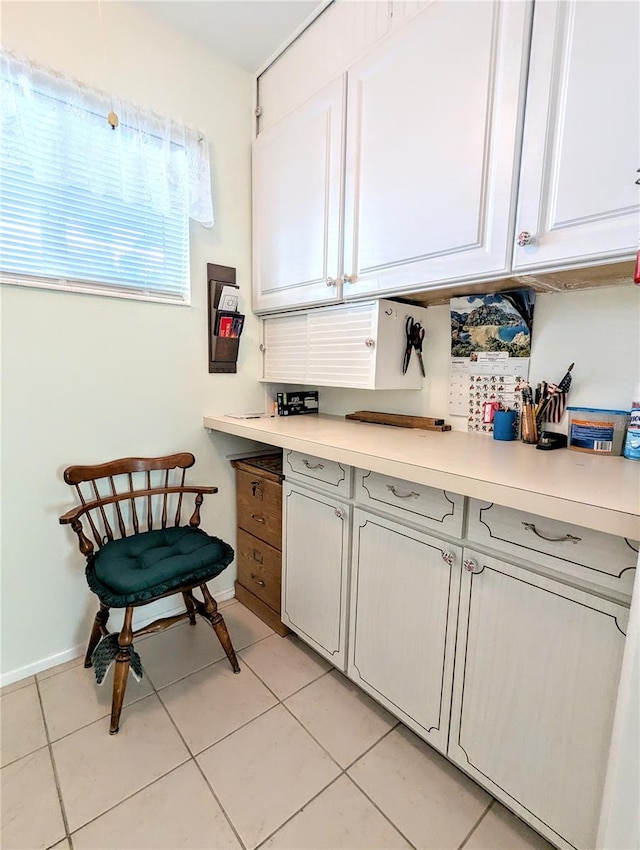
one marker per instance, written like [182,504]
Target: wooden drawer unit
[327,475]
[259,568]
[260,505]
[588,555]
[428,506]
[259,537]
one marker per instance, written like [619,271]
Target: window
[88,207]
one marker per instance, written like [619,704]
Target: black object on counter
[550,440]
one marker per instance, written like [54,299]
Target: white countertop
[602,493]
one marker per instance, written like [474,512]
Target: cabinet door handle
[447,557]
[257,580]
[257,557]
[470,565]
[339,513]
[312,465]
[524,238]
[568,538]
[331,281]
[258,518]
[411,495]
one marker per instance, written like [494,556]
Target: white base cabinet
[536,675]
[510,673]
[404,590]
[315,565]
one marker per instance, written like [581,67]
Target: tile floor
[289,754]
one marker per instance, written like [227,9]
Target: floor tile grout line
[19,683]
[297,812]
[477,823]
[128,797]
[102,717]
[25,755]
[293,693]
[202,773]
[54,767]
[381,811]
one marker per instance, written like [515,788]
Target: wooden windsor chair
[140,556]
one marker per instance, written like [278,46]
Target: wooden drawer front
[260,507]
[428,506]
[589,555]
[328,475]
[259,568]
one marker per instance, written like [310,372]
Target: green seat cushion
[147,565]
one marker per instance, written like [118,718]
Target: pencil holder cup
[504,425]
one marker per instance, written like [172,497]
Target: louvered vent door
[285,349]
[342,346]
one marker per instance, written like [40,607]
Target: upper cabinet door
[432,137]
[297,202]
[578,199]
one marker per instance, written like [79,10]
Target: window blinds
[87,207]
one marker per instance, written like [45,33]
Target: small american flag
[557,398]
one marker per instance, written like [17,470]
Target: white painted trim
[293,36]
[79,649]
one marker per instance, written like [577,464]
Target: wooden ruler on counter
[423,422]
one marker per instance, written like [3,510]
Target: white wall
[87,378]
[599,329]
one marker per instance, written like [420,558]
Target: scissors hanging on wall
[415,334]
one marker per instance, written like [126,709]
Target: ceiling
[246,32]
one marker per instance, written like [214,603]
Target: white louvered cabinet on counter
[347,345]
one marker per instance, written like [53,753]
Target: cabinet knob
[339,513]
[348,278]
[369,342]
[524,238]
[331,281]
[470,565]
[447,557]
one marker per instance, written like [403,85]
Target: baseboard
[78,650]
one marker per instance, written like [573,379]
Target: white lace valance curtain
[58,129]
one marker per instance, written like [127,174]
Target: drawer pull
[257,557]
[258,518]
[411,495]
[447,557]
[257,580]
[568,538]
[312,465]
[256,489]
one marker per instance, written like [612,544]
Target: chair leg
[219,627]
[191,608]
[99,627]
[121,671]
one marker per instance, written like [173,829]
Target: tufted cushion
[147,565]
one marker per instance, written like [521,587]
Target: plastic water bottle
[632,440]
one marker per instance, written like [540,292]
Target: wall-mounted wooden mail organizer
[225,321]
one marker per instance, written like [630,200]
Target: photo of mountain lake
[497,322]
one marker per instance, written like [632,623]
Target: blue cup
[504,425]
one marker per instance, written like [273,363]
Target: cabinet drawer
[259,568]
[589,555]
[260,507]
[326,474]
[429,506]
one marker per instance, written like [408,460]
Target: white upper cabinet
[348,345]
[432,129]
[297,205]
[578,198]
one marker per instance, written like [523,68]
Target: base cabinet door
[536,675]
[404,595]
[315,570]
